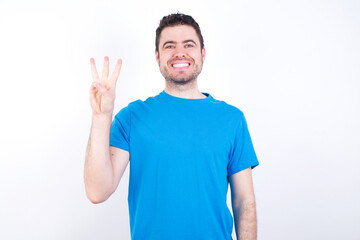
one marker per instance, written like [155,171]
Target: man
[184,148]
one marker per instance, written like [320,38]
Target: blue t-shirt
[181,154]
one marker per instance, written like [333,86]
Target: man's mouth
[180,65]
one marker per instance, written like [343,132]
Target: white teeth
[181,65]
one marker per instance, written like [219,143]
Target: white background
[293,67]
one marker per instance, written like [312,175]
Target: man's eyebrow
[189,40]
[167,42]
[172,42]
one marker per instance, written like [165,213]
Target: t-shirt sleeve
[120,130]
[242,155]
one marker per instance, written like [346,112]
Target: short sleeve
[120,130]
[242,155]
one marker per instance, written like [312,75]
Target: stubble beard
[181,81]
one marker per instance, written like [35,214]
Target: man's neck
[190,91]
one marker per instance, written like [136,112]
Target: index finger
[94,72]
[116,73]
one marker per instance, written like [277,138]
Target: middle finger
[105,72]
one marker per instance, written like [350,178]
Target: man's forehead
[179,33]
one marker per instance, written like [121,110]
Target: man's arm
[243,205]
[104,165]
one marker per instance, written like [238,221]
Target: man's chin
[182,81]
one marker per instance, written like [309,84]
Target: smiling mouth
[180,65]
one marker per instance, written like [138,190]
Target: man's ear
[203,53]
[157,56]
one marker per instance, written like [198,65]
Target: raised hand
[102,91]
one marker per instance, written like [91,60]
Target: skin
[243,205]
[180,44]
[104,165]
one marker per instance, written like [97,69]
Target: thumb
[99,87]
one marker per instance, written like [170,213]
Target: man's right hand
[102,91]
[104,165]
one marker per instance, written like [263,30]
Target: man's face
[180,57]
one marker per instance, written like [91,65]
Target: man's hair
[176,19]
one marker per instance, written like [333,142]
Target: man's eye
[169,46]
[188,45]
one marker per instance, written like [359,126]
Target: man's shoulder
[140,103]
[227,108]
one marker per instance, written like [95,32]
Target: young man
[184,148]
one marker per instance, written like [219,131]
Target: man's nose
[180,53]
